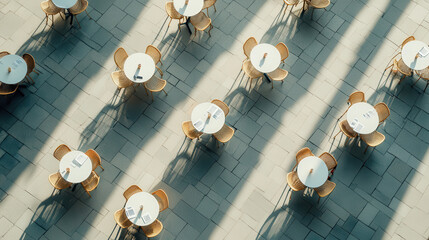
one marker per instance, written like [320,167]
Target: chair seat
[424,73]
[121,80]
[278,74]
[250,71]
[190,131]
[403,68]
[294,182]
[172,12]
[224,134]
[49,8]
[208,3]
[319,3]
[6,89]
[373,139]
[200,21]
[347,130]
[155,84]
[325,189]
[79,7]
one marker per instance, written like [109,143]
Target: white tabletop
[317,177]
[146,71]
[212,124]
[64,3]
[150,205]
[409,55]
[18,66]
[192,9]
[360,112]
[268,64]
[77,174]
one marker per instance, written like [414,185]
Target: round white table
[18,69]
[268,64]
[366,115]
[150,206]
[317,177]
[146,71]
[409,55]
[66,4]
[212,124]
[192,9]
[77,173]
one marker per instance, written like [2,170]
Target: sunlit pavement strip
[238,191]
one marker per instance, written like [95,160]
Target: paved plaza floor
[237,191]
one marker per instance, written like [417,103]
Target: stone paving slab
[237,191]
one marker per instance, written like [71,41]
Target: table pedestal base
[267,77]
[188,19]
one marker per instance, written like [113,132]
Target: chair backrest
[329,160]
[284,51]
[4,53]
[162,199]
[303,153]
[325,189]
[6,89]
[356,97]
[58,182]
[407,40]
[121,218]
[120,56]
[154,53]
[222,106]
[91,182]
[60,151]
[382,111]
[249,45]
[294,182]
[133,189]
[250,70]
[373,139]
[29,60]
[189,130]
[153,229]
[95,158]
[424,73]
[171,11]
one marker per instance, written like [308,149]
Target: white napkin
[217,113]
[354,123]
[358,127]
[146,218]
[130,212]
[424,51]
[212,109]
[80,159]
[199,125]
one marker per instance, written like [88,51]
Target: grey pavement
[237,191]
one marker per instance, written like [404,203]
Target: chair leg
[151,95]
[214,6]
[347,140]
[318,200]
[170,22]
[102,168]
[337,134]
[88,15]
[416,81]
[52,16]
[286,8]
[32,81]
[77,21]
[160,62]
[146,90]
[312,12]
[272,84]
[165,92]
[402,78]
[211,27]
[208,12]
[36,72]
[159,70]
[426,86]
[46,19]
[389,67]
[344,113]
[366,149]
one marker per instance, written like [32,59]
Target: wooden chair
[155,84]
[374,139]
[78,8]
[423,74]
[153,229]
[382,111]
[121,80]
[284,51]
[301,154]
[8,89]
[133,189]
[354,98]
[316,4]
[58,182]
[208,4]
[173,13]
[401,67]
[190,131]
[407,40]
[162,199]
[50,10]
[120,56]
[248,45]
[347,130]
[294,183]
[221,105]
[60,151]
[201,22]
[95,159]
[250,71]
[121,219]
[31,65]
[156,56]
[91,182]
[224,134]
[330,162]
[4,53]
[290,3]
[325,189]
[278,75]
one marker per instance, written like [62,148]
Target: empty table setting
[142,209]
[415,55]
[207,118]
[265,58]
[12,69]
[75,167]
[188,8]
[312,172]
[139,67]
[362,118]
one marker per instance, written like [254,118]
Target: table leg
[267,77]
[188,19]
[74,187]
